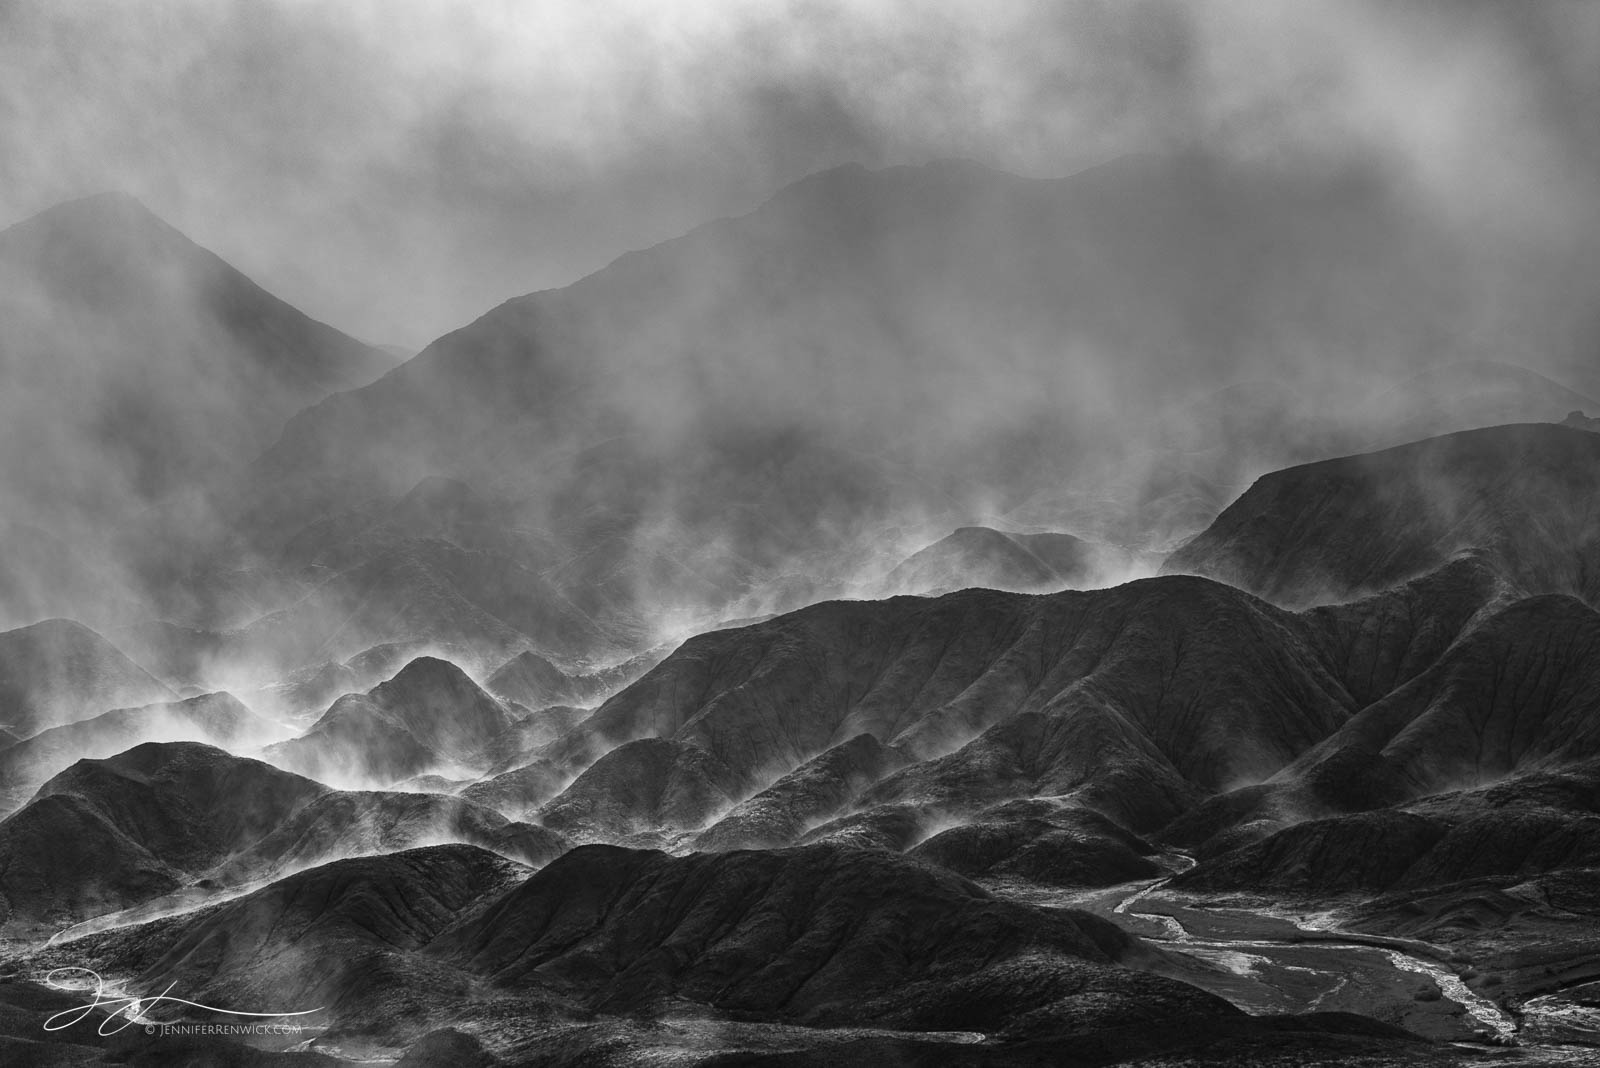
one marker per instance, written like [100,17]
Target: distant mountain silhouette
[60,671]
[982,556]
[218,719]
[733,421]
[139,367]
[430,716]
[533,681]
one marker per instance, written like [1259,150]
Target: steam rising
[511,147]
[1288,213]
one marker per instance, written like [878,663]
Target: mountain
[217,719]
[997,560]
[170,824]
[1340,528]
[774,409]
[1180,709]
[645,785]
[533,681]
[568,925]
[59,671]
[106,834]
[1514,695]
[1044,844]
[139,366]
[1195,456]
[186,362]
[345,823]
[819,788]
[991,695]
[340,937]
[431,716]
[434,591]
[1483,764]
[886,959]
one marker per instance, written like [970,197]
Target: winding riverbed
[1269,963]
[1248,955]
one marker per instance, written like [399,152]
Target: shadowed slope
[801,933]
[816,790]
[107,835]
[1179,685]
[217,719]
[1041,843]
[1526,497]
[339,936]
[1517,694]
[534,681]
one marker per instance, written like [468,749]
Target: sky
[398,167]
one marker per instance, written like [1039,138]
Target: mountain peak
[111,220]
[431,672]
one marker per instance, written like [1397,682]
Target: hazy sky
[397,167]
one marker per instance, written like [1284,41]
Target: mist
[1083,268]
[396,169]
[499,501]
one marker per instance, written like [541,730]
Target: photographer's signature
[124,1012]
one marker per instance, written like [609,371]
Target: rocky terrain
[183,821]
[1359,524]
[218,719]
[989,825]
[687,666]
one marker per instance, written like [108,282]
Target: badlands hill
[431,716]
[1519,496]
[183,818]
[896,960]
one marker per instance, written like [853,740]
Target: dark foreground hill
[164,818]
[28,1010]
[1521,497]
[873,955]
